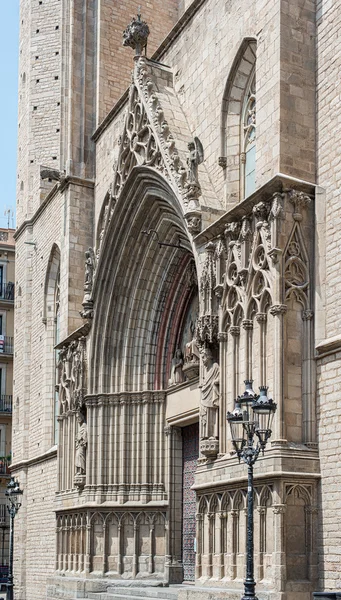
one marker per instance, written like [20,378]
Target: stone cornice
[75,335]
[258,477]
[23,464]
[328,346]
[110,506]
[279,183]
[58,187]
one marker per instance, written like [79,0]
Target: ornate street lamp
[252,416]
[13,494]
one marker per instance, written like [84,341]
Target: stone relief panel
[221,531]
[119,543]
[252,273]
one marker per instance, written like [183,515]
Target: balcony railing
[5,404]
[7,291]
[4,466]
[6,344]
[3,514]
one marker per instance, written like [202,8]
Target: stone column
[174,453]
[261,319]
[248,327]
[278,311]
[308,377]
[235,332]
[278,557]
[222,337]
[198,564]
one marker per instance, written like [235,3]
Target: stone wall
[328,298]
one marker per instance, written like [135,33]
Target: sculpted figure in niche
[209,396]
[177,374]
[81,444]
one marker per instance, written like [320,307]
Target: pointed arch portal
[141,288]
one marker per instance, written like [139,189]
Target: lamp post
[250,424]
[13,494]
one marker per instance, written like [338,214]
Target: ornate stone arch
[237,86]
[51,281]
[139,286]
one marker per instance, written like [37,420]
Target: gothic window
[248,137]
[51,319]
[238,125]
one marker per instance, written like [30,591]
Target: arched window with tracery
[248,139]
[238,125]
[51,319]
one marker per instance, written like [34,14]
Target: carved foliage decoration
[146,140]
[207,325]
[249,266]
[296,267]
[72,376]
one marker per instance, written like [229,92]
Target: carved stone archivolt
[148,141]
[72,376]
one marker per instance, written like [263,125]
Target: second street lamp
[250,423]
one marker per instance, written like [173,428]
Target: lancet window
[248,139]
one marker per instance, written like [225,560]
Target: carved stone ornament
[210,398]
[72,376]
[193,222]
[192,360]
[209,447]
[208,321]
[81,445]
[195,158]
[136,35]
[90,264]
[147,141]
[177,373]
[299,200]
[54,174]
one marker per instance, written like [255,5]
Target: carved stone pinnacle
[136,35]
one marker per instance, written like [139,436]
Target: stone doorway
[190,454]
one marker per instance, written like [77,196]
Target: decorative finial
[136,34]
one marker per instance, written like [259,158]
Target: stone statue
[195,158]
[89,269]
[81,444]
[177,374]
[210,395]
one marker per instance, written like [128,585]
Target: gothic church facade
[178,233]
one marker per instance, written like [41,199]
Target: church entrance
[190,454]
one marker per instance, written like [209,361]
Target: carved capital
[222,336]
[307,315]
[279,509]
[261,317]
[222,162]
[278,309]
[299,200]
[234,330]
[247,324]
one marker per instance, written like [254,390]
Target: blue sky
[8,104]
